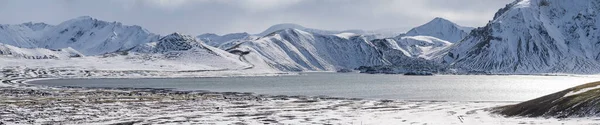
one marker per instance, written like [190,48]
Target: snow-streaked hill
[174,55]
[93,37]
[85,34]
[369,34]
[442,29]
[23,35]
[284,26]
[8,51]
[226,40]
[534,36]
[414,46]
[297,50]
[186,49]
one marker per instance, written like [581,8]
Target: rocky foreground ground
[579,101]
[21,103]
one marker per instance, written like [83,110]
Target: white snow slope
[534,36]
[8,51]
[297,50]
[93,37]
[186,49]
[23,35]
[174,55]
[441,29]
[369,34]
[84,34]
[226,41]
[416,46]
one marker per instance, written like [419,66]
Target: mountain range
[527,36]
[534,36]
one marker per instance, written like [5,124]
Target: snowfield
[22,103]
[534,36]
[525,37]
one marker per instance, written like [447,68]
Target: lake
[354,85]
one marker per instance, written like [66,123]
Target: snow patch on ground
[346,35]
[581,91]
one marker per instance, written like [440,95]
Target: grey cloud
[253,16]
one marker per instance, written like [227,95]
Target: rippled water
[449,88]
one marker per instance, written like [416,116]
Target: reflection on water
[451,88]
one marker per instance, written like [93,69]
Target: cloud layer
[253,16]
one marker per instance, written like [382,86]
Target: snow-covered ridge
[416,46]
[534,36]
[369,34]
[8,51]
[225,41]
[441,29]
[185,48]
[22,35]
[93,37]
[298,50]
[85,34]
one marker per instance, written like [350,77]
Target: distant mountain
[23,35]
[527,36]
[370,34]
[284,26]
[36,53]
[298,50]
[84,34]
[414,46]
[534,36]
[442,29]
[186,49]
[93,37]
[226,40]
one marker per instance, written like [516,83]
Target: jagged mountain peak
[176,42]
[91,36]
[441,28]
[440,20]
[293,49]
[535,36]
[226,40]
[176,36]
[284,31]
[37,26]
[84,18]
[86,21]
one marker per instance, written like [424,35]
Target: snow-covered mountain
[23,35]
[369,34]
[93,37]
[187,50]
[284,26]
[84,34]
[534,36]
[36,53]
[414,46]
[298,50]
[442,29]
[226,40]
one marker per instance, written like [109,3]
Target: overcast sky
[253,16]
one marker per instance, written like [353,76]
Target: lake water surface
[447,88]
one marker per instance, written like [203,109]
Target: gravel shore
[22,103]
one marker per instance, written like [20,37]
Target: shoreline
[24,103]
[26,80]
[268,95]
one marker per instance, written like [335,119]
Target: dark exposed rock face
[580,101]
